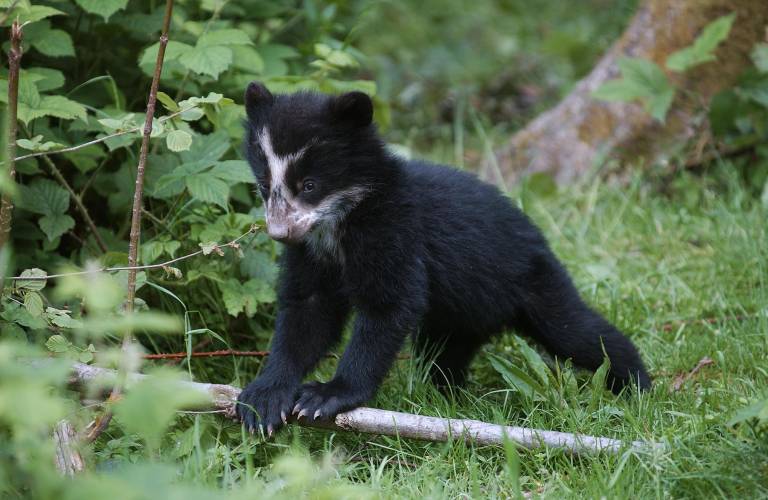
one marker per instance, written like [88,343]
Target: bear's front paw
[324,401]
[265,407]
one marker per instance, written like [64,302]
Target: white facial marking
[278,164]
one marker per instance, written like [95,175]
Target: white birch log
[393,423]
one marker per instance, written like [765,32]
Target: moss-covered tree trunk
[581,131]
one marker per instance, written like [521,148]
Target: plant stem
[133,245]
[14,65]
[78,203]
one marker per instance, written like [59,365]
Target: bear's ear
[354,108]
[256,97]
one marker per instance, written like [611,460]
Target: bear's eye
[308,186]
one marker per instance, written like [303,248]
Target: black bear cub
[412,248]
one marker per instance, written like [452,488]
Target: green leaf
[33,13]
[224,37]
[247,58]
[642,79]
[207,60]
[208,188]
[54,43]
[173,51]
[103,8]
[44,197]
[245,297]
[167,101]
[52,105]
[760,57]
[757,410]
[45,78]
[32,284]
[209,247]
[178,140]
[702,49]
[150,405]
[207,148]
[36,144]
[33,303]
[58,344]
[234,171]
[55,225]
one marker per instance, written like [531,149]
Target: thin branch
[397,424]
[68,459]
[133,242]
[78,203]
[231,244]
[207,354]
[104,138]
[14,66]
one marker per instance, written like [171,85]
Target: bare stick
[101,423]
[78,203]
[216,249]
[14,65]
[133,245]
[68,459]
[392,423]
[104,138]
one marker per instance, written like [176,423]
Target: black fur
[430,251]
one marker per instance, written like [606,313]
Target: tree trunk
[581,131]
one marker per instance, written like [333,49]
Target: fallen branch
[392,423]
[68,459]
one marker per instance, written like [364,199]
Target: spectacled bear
[412,248]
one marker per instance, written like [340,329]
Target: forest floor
[680,265]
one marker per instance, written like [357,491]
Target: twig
[231,244]
[14,65]
[206,354]
[392,423]
[68,459]
[668,327]
[133,243]
[103,138]
[225,352]
[681,379]
[78,203]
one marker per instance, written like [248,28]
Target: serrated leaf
[618,90]
[234,171]
[31,14]
[58,344]
[207,60]
[207,148]
[247,58]
[103,8]
[85,357]
[36,144]
[45,78]
[642,79]
[224,37]
[55,225]
[702,49]
[208,188]
[32,284]
[178,140]
[192,114]
[173,51]
[54,43]
[52,105]
[245,297]
[33,303]
[44,197]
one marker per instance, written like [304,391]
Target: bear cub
[413,249]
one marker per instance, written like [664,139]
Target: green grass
[643,258]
